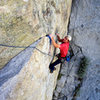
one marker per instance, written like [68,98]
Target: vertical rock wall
[24,73]
[84,26]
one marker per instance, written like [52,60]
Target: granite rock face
[24,57]
[68,80]
[84,28]
[24,21]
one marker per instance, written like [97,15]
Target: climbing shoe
[51,71]
[54,68]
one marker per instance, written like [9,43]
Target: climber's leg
[52,65]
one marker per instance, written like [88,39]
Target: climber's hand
[57,34]
[51,35]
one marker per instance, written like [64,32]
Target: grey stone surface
[69,82]
[61,82]
[27,76]
[85,30]
[91,86]
[85,26]
[14,66]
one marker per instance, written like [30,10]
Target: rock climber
[64,46]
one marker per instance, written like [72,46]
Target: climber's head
[67,38]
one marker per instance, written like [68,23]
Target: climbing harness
[63,59]
[68,58]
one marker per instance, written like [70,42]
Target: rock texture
[87,36]
[24,73]
[84,28]
[68,79]
[24,21]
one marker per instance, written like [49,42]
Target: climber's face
[65,39]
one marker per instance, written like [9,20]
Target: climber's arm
[59,39]
[54,43]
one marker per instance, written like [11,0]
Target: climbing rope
[50,43]
[12,46]
[21,18]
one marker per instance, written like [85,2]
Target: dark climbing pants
[52,65]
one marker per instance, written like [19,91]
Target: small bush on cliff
[82,67]
[81,71]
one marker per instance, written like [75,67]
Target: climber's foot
[51,71]
[54,68]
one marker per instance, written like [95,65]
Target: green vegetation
[81,71]
[82,67]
